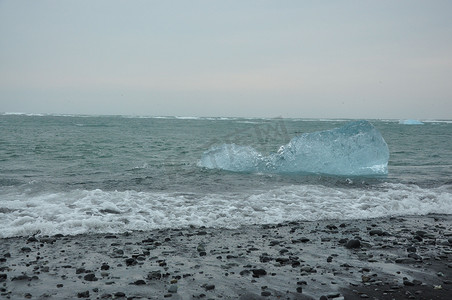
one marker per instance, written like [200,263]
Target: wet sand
[384,258]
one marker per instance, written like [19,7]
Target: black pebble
[353,244]
[90,277]
[84,294]
[131,262]
[258,272]
[119,294]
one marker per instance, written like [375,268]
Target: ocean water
[86,174]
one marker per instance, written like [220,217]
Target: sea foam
[97,211]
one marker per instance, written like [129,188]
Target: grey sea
[72,174]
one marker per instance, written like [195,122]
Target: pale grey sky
[313,59]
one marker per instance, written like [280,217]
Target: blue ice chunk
[411,122]
[355,149]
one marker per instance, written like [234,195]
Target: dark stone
[418,238]
[333,295]
[407,282]
[265,258]
[282,260]
[421,233]
[90,277]
[111,236]
[405,260]
[414,256]
[353,244]
[274,243]
[343,241]
[376,232]
[32,239]
[105,267]
[28,295]
[265,294]
[259,272]
[80,270]
[84,294]
[411,249]
[299,289]
[3,277]
[25,249]
[244,272]
[153,275]
[106,296]
[120,294]
[209,287]
[329,259]
[131,262]
[23,277]
[139,282]
[48,240]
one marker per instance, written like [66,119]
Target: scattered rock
[376,232]
[209,287]
[405,260]
[32,239]
[84,294]
[265,294]
[24,277]
[172,289]
[407,282]
[258,272]
[139,282]
[411,249]
[120,295]
[90,277]
[47,240]
[353,244]
[131,262]
[154,275]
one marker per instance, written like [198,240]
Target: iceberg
[410,122]
[355,149]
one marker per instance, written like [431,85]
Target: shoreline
[406,257]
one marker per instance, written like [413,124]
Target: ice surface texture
[355,149]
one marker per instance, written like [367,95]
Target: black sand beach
[385,258]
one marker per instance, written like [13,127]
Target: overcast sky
[312,59]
